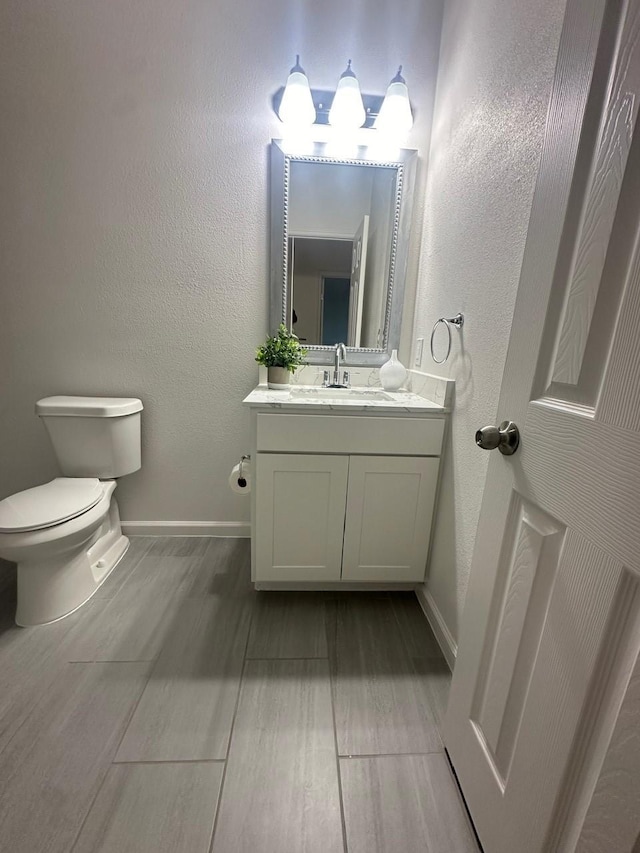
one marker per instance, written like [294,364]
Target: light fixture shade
[395,117]
[296,107]
[347,110]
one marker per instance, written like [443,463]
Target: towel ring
[457,321]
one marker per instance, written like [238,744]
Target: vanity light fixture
[347,110]
[296,107]
[395,117]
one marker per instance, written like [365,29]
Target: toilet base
[50,589]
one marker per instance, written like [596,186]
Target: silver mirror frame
[405,166]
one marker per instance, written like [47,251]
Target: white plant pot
[278,378]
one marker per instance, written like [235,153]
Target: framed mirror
[339,244]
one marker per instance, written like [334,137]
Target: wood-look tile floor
[181,710]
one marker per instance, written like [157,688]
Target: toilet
[65,535]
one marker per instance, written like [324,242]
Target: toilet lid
[52,503]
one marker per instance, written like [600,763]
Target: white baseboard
[439,627]
[239,529]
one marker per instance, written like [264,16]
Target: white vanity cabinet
[388,517]
[343,498]
[299,522]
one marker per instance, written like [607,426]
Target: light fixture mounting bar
[322,99]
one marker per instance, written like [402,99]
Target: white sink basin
[345,394]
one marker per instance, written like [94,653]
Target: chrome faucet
[338,381]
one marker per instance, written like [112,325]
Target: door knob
[506,438]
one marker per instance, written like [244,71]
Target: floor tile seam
[136,704]
[354,756]
[99,788]
[400,654]
[153,662]
[419,675]
[231,730]
[288,657]
[127,762]
[343,822]
[109,764]
[115,660]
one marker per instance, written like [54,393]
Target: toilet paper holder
[242,480]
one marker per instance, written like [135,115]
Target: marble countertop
[368,399]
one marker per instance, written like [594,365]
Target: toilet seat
[52,503]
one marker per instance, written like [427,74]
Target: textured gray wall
[497,62]
[134,213]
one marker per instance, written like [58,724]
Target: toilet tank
[93,436]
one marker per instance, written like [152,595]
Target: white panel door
[544,713]
[389,510]
[300,505]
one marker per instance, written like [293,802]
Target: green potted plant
[281,354]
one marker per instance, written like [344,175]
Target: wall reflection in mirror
[340,235]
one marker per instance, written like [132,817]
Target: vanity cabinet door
[300,506]
[389,512]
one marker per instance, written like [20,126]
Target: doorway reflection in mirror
[340,236]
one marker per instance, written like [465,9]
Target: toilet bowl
[62,565]
[65,535]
